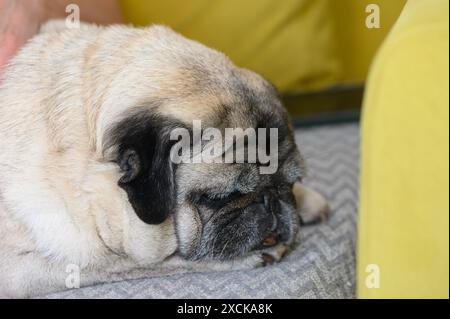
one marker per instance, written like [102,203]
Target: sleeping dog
[87,179]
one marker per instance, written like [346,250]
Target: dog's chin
[228,235]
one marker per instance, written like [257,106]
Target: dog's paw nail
[267,259]
[270,240]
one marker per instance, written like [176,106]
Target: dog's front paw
[260,258]
[273,254]
[312,206]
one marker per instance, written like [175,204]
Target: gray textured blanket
[323,264]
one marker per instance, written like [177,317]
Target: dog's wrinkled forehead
[203,83]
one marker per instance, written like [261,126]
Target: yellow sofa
[404,200]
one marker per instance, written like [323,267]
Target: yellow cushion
[404,198]
[357,43]
[291,42]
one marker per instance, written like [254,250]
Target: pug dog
[88,193]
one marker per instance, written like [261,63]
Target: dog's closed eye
[217,200]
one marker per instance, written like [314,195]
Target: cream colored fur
[60,204]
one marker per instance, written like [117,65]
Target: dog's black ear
[142,143]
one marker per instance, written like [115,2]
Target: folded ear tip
[123,181]
[130,164]
[157,219]
[154,217]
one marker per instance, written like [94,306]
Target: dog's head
[222,208]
